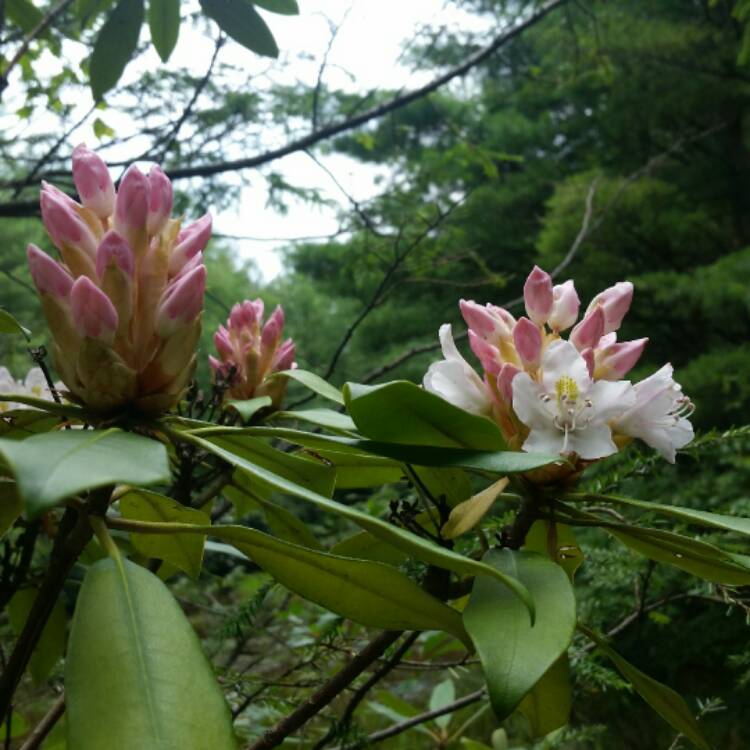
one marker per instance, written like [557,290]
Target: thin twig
[44,727]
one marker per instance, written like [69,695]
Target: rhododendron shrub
[129,470]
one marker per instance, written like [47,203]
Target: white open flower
[660,414]
[454,379]
[35,385]
[567,412]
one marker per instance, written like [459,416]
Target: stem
[74,534]
[44,727]
[325,694]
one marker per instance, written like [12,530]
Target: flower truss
[556,395]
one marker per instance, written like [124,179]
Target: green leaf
[184,552]
[356,470]
[466,515]
[102,130]
[401,412]
[115,45]
[558,542]
[315,383]
[8,324]
[368,547]
[135,673]
[10,505]
[322,417]
[420,548]
[494,462]
[665,701]
[86,10]
[547,707]
[311,474]
[18,726]
[693,556]
[697,517]
[514,654]
[164,23]
[51,644]
[452,485]
[240,20]
[249,408]
[51,467]
[443,694]
[469,744]
[24,14]
[285,7]
[282,522]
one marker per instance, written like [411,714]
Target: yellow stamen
[567,390]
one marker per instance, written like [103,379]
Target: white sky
[364,55]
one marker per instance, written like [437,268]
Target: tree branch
[325,694]
[45,726]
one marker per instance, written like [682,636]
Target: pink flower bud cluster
[124,302]
[251,351]
[549,394]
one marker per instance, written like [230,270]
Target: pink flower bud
[93,182]
[159,200]
[487,354]
[615,360]
[247,314]
[565,305]
[537,295]
[272,329]
[505,381]
[114,249]
[131,206]
[217,365]
[48,275]
[615,302]
[191,265]
[64,225]
[589,358]
[284,359]
[587,333]
[94,315]
[223,343]
[528,341]
[190,241]
[182,302]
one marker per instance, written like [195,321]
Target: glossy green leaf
[54,466]
[249,408]
[135,673]
[547,707]
[314,383]
[420,548]
[494,462]
[368,547]
[443,694]
[514,654]
[558,542]
[51,645]
[240,20]
[451,485]
[693,556]
[356,470]
[321,417]
[367,592]
[737,524]
[285,7]
[401,412]
[183,552]
[8,324]
[10,505]
[164,24]
[665,701]
[309,473]
[115,45]
[281,521]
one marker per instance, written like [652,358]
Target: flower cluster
[555,395]
[124,304]
[250,352]
[34,384]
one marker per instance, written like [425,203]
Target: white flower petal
[528,404]
[450,380]
[593,442]
[611,399]
[548,440]
[562,359]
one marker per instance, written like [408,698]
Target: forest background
[607,140]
